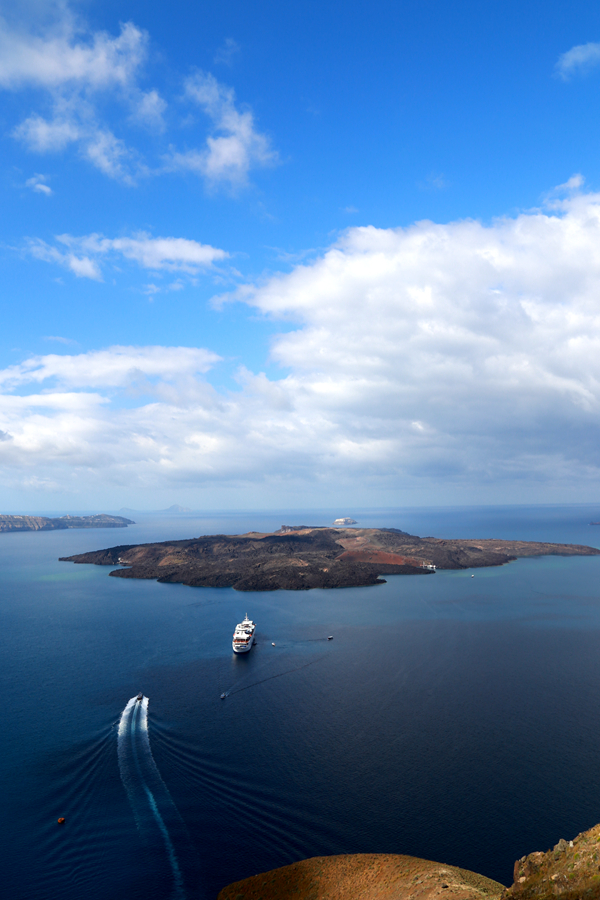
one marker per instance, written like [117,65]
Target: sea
[453,718]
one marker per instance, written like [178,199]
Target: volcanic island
[301,557]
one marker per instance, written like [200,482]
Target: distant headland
[300,557]
[175,510]
[43,523]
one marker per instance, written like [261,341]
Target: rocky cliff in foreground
[568,871]
[297,558]
[364,876]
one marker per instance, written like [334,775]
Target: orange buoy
[61,821]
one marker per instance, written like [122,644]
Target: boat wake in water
[238,690]
[157,818]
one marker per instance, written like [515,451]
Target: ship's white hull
[243,648]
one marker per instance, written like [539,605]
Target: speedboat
[330,638]
[139,697]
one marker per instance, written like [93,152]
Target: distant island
[172,510]
[300,557]
[43,523]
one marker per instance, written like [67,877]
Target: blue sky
[299,254]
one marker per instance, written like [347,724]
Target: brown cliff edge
[569,871]
[364,876]
[303,557]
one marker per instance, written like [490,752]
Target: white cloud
[78,78]
[435,181]
[422,358]
[58,339]
[38,185]
[236,146]
[579,60]
[109,154]
[83,254]
[227,51]
[113,367]
[63,57]
[81,266]
[572,184]
[71,68]
[42,135]
[150,110]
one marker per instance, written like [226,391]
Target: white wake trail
[148,795]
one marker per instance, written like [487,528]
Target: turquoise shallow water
[451,717]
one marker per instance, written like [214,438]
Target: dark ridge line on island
[299,557]
[61,523]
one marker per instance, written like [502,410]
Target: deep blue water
[452,718]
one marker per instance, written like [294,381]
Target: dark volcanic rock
[298,558]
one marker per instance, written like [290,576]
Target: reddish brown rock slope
[364,876]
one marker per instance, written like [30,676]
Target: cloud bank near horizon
[463,353]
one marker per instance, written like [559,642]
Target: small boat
[223,696]
[139,697]
[330,638]
[472,576]
[272,643]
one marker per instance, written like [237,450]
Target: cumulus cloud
[82,255]
[579,60]
[460,354]
[235,147]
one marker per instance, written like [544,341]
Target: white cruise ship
[243,636]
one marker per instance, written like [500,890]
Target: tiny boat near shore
[243,636]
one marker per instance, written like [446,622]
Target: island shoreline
[304,557]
